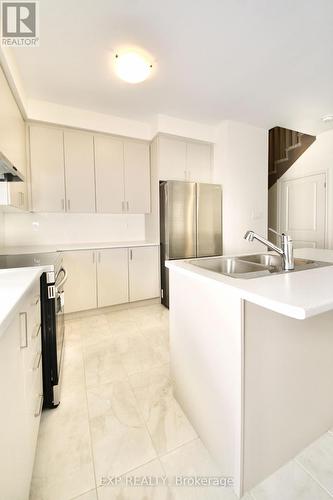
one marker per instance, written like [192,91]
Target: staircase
[285,147]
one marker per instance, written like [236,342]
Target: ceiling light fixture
[327,118]
[132,67]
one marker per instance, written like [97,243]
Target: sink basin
[265,259]
[276,261]
[226,265]
[253,266]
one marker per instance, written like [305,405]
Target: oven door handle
[64,279]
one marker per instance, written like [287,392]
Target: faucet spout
[286,251]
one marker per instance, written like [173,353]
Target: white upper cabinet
[122,175]
[12,127]
[79,171]
[171,159]
[112,276]
[182,160]
[13,146]
[198,162]
[109,165]
[47,169]
[137,177]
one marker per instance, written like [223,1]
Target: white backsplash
[48,229]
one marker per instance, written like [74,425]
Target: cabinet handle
[37,330]
[37,361]
[35,300]
[23,330]
[62,204]
[123,206]
[69,204]
[40,406]
[131,254]
[127,206]
[99,257]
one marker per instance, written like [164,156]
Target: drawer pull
[23,330]
[37,361]
[36,300]
[39,406]
[37,330]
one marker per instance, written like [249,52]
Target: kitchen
[157,340]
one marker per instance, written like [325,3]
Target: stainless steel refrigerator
[190,224]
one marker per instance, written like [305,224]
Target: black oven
[53,332]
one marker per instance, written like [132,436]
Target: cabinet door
[14,449]
[137,177]
[79,171]
[143,273]
[47,169]
[171,159]
[12,127]
[198,162]
[109,165]
[112,276]
[80,288]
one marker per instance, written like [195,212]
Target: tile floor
[118,417]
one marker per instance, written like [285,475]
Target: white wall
[47,229]
[318,158]
[241,166]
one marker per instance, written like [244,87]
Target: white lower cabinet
[80,288]
[112,276]
[107,277]
[21,392]
[143,273]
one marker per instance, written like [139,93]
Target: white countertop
[299,295]
[14,283]
[63,247]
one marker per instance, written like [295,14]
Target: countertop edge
[35,273]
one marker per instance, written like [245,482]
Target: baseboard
[109,309]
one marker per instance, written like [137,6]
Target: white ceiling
[263,62]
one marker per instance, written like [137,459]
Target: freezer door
[180,220]
[209,220]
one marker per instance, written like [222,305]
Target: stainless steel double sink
[253,266]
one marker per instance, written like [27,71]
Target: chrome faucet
[286,250]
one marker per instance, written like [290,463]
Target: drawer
[34,314]
[35,403]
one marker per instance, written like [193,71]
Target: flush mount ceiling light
[327,118]
[132,67]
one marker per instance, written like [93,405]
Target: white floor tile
[63,466]
[317,459]
[289,483]
[120,439]
[191,460]
[103,365]
[90,495]
[127,491]
[166,422]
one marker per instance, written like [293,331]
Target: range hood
[9,173]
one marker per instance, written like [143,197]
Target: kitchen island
[252,363]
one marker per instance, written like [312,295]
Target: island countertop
[299,295]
